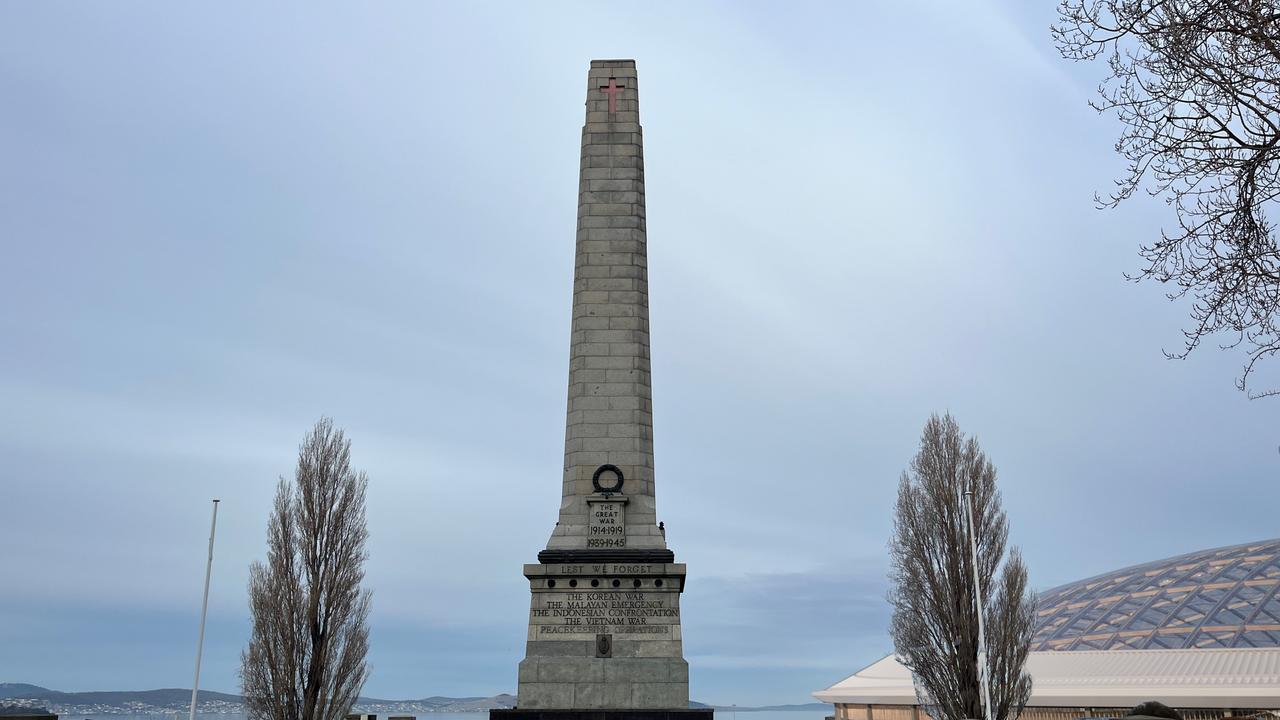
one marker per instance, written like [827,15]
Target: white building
[1199,632]
[1202,683]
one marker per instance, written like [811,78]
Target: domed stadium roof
[1221,598]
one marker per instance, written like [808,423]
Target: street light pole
[984,675]
[204,610]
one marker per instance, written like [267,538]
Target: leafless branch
[1196,86]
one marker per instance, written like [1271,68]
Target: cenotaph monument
[604,623]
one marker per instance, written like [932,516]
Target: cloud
[217,232]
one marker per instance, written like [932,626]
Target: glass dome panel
[1224,597]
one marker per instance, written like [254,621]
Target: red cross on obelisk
[612,90]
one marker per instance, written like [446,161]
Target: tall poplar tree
[935,618]
[306,656]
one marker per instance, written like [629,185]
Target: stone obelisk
[604,623]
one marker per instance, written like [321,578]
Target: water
[154,716]
[720,715]
[774,715]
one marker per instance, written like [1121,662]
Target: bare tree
[935,619]
[1196,84]
[306,656]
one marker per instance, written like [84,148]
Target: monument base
[586,714]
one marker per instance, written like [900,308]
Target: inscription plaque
[649,613]
[607,524]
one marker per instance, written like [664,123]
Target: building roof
[1225,597]
[1185,678]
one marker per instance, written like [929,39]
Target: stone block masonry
[609,418]
[604,639]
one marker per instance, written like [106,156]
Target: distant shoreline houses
[31,708]
[23,712]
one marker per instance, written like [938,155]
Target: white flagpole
[204,610]
[984,679]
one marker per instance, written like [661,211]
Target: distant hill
[166,696]
[8,690]
[167,700]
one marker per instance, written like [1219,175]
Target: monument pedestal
[604,635]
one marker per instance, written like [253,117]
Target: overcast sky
[222,222]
